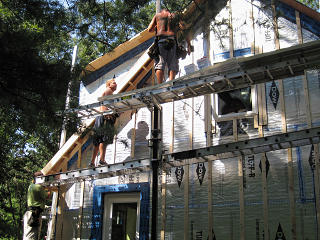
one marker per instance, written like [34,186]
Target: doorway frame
[98,207]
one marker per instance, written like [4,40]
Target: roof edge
[302,8]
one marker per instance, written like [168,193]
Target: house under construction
[227,150]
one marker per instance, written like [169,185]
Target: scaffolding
[230,75]
[234,73]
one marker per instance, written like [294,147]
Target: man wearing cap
[36,198]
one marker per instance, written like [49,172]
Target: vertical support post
[307,100]
[231,47]
[299,29]
[291,195]
[282,107]
[253,44]
[210,211]
[52,222]
[133,137]
[163,203]
[262,120]
[265,197]
[317,186]
[275,24]
[79,158]
[191,133]
[172,130]
[155,160]
[155,170]
[290,165]
[186,203]
[241,197]
[241,190]
[81,209]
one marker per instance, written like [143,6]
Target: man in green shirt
[36,199]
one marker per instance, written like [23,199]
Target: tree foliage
[36,41]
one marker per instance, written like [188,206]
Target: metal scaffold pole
[155,160]
[52,222]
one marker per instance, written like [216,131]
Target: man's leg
[102,150]
[29,233]
[94,154]
[172,75]
[159,73]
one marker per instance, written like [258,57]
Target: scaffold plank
[247,147]
[228,150]
[240,72]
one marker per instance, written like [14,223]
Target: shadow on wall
[141,149]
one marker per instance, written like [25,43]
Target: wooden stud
[275,24]
[210,211]
[253,45]
[81,210]
[241,197]
[172,130]
[290,163]
[291,195]
[299,29]
[265,197]
[61,207]
[231,47]
[114,148]
[208,119]
[186,203]
[79,157]
[163,204]
[307,100]
[241,190]
[191,134]
[317,184]
[235,129]
[282,107]
[133,136]
[263,119]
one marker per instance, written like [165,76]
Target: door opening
[121,216]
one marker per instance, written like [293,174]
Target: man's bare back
[163,22]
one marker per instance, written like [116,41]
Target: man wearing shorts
[103,128]
[165,24]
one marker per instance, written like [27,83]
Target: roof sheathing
[120,54]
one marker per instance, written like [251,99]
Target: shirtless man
[164,25]
[103,128]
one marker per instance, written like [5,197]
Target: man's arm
[152,25]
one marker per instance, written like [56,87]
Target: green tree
[314,4]
[36,40]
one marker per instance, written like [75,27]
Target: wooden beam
[275,24]
[210,211]
[120,50]
[172,129]
[133,136]
[186,203]
[307,100]
[163,204]
[291,195]
[265,197]
[317,185]
[81,204]
[231,47]
[299,28]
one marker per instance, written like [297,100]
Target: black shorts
[103,130]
